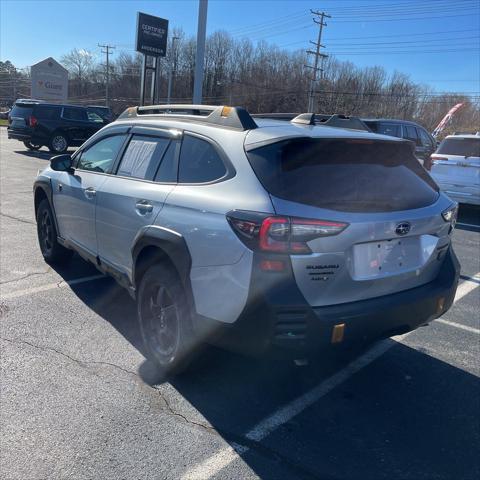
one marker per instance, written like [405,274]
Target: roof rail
[223,116]
[339,121]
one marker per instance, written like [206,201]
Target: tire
[52,251]
[32,146]
[165,320]
[58,143]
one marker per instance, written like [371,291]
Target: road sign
[152,35]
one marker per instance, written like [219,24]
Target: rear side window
[348,175]
[425,138]
[74,114]
[466,147]
[21,111]
[199,162]
[46,112]
[410,133]
[142,157]
[389,129]
[101,156]
[93,117]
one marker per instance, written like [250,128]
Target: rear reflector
[272,265]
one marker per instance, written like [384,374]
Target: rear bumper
[278,316]
[16,135]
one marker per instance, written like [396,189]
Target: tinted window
[349,175]
[102,112]
[74,113]
[389,129]
[199,162]
[93,117]
[410,133]
[21,111]
[46,112]
[168,168]
[101,156]
[142,157]
[466,147]
[425,138]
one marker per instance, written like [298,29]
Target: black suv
[58,127]
[425,144]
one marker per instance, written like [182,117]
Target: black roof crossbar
[339,121]
[223,116]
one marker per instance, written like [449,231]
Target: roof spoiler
[223,116]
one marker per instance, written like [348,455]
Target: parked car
[456,167]
[255,234]
[425,143]
[56,126]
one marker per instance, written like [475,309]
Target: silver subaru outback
[253,233]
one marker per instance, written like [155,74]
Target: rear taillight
[32,121]
[279,234]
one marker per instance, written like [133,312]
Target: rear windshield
[466,147]
[348,175]
[23,111]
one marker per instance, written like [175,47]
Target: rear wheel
[165,320]
[51,250]
[32,146]
[58,143]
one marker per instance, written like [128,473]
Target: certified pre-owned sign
[151,35]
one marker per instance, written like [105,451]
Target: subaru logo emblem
[402,228]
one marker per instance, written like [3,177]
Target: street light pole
[170,73]
[200,56]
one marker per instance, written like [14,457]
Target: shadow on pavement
[407,415]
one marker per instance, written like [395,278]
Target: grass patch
[3,122]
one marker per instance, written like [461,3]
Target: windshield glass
[466,147]
[348,175]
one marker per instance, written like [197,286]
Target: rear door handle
[143,207]
[90,192]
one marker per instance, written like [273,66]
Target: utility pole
[318,55]
[200,56]
[107,76]
[172,69]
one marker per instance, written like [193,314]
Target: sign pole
[153,86]
[142,80]
[151,42]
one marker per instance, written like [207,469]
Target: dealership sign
[152,35]
[49,81]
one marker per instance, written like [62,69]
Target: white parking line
[459,325]
[49,286]
[224,457]
[467,286]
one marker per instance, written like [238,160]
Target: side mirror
[62,163]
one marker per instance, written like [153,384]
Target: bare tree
[79,63]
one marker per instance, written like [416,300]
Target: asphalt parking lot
[74,405]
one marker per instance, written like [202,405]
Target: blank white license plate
[386,257]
